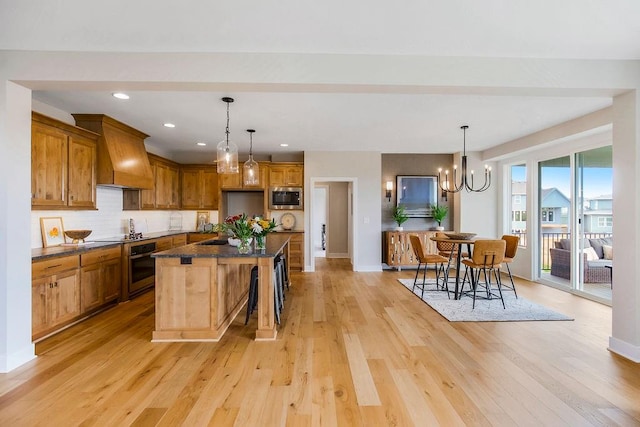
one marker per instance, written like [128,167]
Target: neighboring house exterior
[554,211]
[518,206]
[598,215]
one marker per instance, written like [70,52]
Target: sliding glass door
[594,192]
[554,222]
[575,221]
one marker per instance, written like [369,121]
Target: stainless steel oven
[142,268]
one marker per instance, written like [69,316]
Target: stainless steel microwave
[285,198]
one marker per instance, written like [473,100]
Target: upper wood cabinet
[167,185]
[199,187]
[235,181]
[63,165]
[286,175]
[165,193]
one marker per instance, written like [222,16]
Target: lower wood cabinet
[296,252]
[100,277]
[55,289]
[67,288]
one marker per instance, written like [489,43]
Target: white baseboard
[12,361]
[337,255]
[368,268]
[624,349]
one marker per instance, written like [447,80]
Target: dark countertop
[146,236]
[39,254]
[274,245]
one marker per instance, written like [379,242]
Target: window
[550,216]
[605,221]
[518,175]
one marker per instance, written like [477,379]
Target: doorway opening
[331,224]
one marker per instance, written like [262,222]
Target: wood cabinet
[55,291]
[63,165]
[296,250]
[199,187]
[398,251]
[199,237]
[165,193]
[167,186]
[178,240]
[235,181]
[286,175]
[100,277]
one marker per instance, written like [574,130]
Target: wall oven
[285,198]
[142,268]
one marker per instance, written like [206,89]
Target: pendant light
[452,186]
[227,150]
[251,168]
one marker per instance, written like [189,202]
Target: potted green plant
[439,212]
[399,216]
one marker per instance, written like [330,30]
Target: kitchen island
[201,288]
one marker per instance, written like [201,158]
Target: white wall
[364,168]
[15,255]
[110,220]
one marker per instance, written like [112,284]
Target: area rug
[517,309]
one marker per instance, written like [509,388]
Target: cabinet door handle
[54,266]
[55,284]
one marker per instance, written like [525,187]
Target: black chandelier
[466,182]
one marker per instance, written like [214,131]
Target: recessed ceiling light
[120,95]
[284,145]
[169,125]
[201,144]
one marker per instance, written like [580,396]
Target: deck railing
[548,240]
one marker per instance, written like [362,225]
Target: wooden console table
[398,250]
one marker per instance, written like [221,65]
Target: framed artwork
[202,218]
[52,231]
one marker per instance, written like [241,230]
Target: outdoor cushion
[591,254]
[566,243]
[608,251]
[598,243]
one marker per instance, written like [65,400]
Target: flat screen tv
[418,194]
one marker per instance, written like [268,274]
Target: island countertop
[204,249]
[201,288]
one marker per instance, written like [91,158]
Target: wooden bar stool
[425,259]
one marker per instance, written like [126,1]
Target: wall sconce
[389,188]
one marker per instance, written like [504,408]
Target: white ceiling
[589,29]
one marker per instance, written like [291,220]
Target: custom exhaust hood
[122,158]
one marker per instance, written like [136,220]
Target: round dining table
[459,243]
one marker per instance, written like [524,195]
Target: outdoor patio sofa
[595,270]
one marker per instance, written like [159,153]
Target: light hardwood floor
[354,349]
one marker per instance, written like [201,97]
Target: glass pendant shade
[251,169]
[227,160]
[227,157]
[251,172]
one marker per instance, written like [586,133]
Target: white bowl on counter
[235,242]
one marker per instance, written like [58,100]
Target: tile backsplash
[110,220]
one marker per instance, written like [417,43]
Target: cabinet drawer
[164,244]
[54,265]
[179,240]
[100,255]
